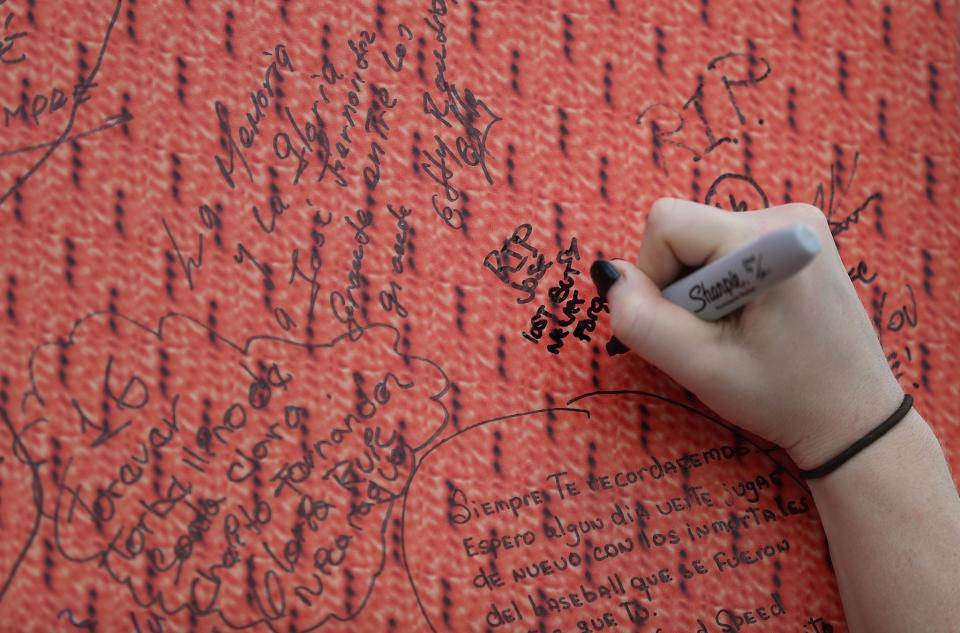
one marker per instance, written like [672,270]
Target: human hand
[799,366]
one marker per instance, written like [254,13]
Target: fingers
[682,234]
[662,332]
[679,235]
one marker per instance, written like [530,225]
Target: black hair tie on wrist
[865,441]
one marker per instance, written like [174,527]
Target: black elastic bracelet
[868,439]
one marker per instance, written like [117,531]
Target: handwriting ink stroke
[80,96]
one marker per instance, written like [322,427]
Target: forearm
[892,519]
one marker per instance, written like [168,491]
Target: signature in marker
[80,96]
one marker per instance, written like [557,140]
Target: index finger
[687,234]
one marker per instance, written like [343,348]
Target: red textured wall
[218,416]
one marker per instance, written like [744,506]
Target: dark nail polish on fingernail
[615,347]
[604,275]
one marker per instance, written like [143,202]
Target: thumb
[662,332]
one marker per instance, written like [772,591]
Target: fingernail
[604,275]
[615,347]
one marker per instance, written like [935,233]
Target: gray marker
[724,285]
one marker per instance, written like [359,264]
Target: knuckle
[808,213]
[626,321]
[659,212]
[622,317]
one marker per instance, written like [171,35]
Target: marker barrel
[722,286]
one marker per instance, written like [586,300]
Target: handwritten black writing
[80,96]
[663,131]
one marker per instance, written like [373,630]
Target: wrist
[902,443]
[896,461]
[851,421]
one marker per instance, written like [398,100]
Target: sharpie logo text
[704,295]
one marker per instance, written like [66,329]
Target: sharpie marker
[722,286]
